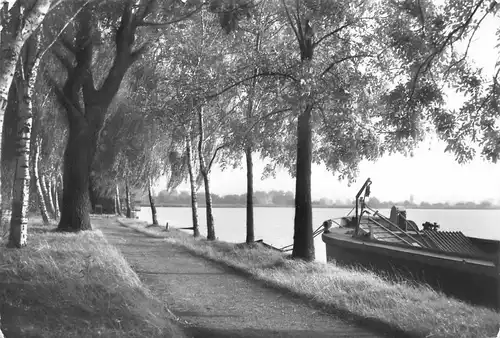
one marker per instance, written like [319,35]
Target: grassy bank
[359,295]
[75,285]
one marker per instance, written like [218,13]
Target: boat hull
[469,279]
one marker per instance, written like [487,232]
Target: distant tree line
[376,203]
[271,198]
[286,198]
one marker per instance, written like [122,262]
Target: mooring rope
[315,234]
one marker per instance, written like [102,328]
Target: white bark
[36,177]
[50,200]
[12,38]
[55,198]
[45,197]
[118,202]
[192,181]
[21,189]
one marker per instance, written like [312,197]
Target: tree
[41,200]
[198,69]
[85,121]
[192,183]
[15,30]
[25,82]
[335,70]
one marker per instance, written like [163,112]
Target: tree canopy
[130,91]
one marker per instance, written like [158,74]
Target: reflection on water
[275,225]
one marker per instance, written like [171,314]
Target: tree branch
[290,21]
[124,57]
[326,36]
[288,76]
[67,64]
[222,146]
[72,112]
[451,36]
[143,23]
[349,57]
[274,112]
[55,39]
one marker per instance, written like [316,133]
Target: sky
[431,175]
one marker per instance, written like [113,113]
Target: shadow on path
[213,301]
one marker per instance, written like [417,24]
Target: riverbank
[356,295]
[75,285]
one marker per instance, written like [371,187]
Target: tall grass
[354,293]
[75,285]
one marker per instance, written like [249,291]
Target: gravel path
[212,301]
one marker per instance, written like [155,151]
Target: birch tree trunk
[55,196]
[127,200]
[13,33]
[45,197]
[50,200]
[152,203]
[192,182]
[118,202]
[206,180]
[36,177]
[25,83]
[20,193]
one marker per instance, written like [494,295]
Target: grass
[75,285]
[353,293]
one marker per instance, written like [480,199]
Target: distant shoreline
[314,206]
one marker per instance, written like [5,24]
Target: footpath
[210,300]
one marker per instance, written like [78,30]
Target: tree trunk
[250,220]
[78,155]
[46,200]
[28,68]
[36,177]
[152,203]
[127,200]
[303,242]
[50,200]
[20,197]
[13,33]
[92,195]
[87,119]
[205,172]
[208,201]
[55,195]
[192,182]
[248,153]
[118,202]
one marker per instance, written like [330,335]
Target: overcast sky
[430,175]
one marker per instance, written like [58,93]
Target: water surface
[275,225]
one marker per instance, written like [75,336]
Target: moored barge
[464,267]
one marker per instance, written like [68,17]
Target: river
[275,225]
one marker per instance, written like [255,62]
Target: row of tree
[115,94]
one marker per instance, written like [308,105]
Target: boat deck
[416,253]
